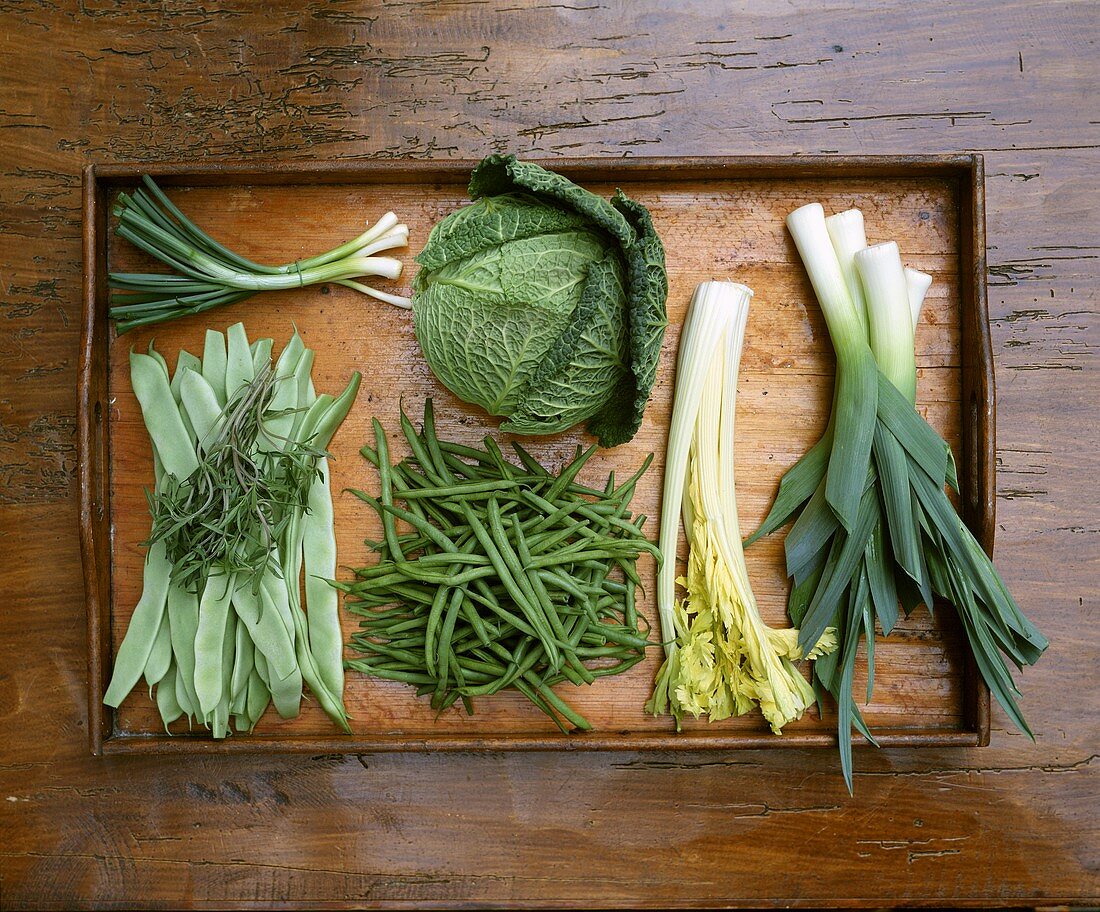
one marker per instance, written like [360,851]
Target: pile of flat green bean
[495,575]
[218,632]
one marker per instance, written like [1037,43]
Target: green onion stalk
[208,275]
[873,524]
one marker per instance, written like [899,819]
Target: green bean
[536,586]
[434,620]
[443,648]
[388,528]
[214,363]
[565,478]
[325,414]
[169,706]
[458,449]
[243,664]
[239,368]
[258,699]
[458,467]
[529,462]
[326,639]
[432,441]
[456,491]
[537,551]
[279,417]
[162,417]
[485,597]
[267,628]
[531,612]
[418,450]
[213,622]
[160,656]
[261,358]
[407,677]
[497,460]
[141,634]
[201,406]
[185,362]
[331,702]
[219,722]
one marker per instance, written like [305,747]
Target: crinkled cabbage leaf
[544,303]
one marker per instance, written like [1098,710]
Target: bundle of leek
[208,275]
[874,523]
[721,658]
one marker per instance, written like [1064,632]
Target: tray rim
[978,432]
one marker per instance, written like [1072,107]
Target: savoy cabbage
[544,303]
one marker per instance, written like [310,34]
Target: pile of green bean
[220,629]
[495,575]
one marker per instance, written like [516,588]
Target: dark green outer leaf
[898,500]
[797,486]
[854,417]
[833,586]
[648,289]
[499,174]
[880,577]
[810,535]
[915,435]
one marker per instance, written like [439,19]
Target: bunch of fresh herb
[228,515]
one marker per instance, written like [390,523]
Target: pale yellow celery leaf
[784,641]
[749,655]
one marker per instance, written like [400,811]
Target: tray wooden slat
[718,218]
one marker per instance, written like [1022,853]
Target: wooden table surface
[111,80]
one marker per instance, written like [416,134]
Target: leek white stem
[811,237]
[847,233]
[856,394]
[917,284]
[889,314]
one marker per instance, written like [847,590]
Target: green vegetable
[208,275]
[506,579]
[874,523]
[721,658]
[544,303]
[241,499]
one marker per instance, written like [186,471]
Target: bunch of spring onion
[495,576]
[208,275]
[721,658]
[874,522]
[241,508]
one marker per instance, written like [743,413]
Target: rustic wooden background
[108,80]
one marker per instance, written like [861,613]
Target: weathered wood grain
[1012,824]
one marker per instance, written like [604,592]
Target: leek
[904,541]
[721,658]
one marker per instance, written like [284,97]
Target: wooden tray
[718,217]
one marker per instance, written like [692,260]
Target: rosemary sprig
[229,514]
